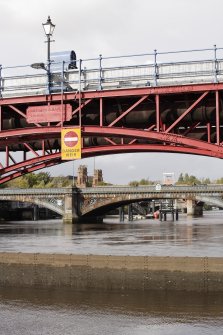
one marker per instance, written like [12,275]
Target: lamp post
[48,29]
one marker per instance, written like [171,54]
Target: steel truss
[179,119]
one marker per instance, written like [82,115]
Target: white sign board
[158,187]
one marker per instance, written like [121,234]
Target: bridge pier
[35,213]
[130,214]
[121,214]
[190,206]
[193,208]
[70,208]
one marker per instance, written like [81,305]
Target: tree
[219,181]
[180,179]
[43,177]
[133,183]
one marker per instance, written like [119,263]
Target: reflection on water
[186,237]
[63,311]
[30,311]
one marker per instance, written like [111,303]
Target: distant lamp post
[48,29]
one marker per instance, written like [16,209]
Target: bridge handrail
[152,188]
[114,189]
[99,75]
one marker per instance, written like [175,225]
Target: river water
[62,311]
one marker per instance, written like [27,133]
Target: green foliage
[58,182]
[191,180]
[219,181]
[146,182]
[141,182]
[184,179]
[44,180]
[31,180]
[134,183]
[20,182]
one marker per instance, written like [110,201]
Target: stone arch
[34,200]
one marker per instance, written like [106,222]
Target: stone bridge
[76,204]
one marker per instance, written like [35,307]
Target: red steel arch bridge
[155,102]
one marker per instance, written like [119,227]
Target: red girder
[181,145]
[160,136]
[140,91]
[152,135]
[38,163]
[117,132]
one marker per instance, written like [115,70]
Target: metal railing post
[79,74]
[100,73]
[62,77]
[215,64]
[156,74]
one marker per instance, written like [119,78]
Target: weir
[110,273]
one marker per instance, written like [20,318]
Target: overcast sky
[115,27]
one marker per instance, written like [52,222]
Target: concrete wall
[111,272]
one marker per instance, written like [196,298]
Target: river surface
[186,237]
[64,311]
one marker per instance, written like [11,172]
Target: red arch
[164,143]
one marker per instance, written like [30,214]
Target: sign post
[70,143]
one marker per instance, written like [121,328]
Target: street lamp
[48,29]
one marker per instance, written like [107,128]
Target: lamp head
[38,66]
[48,27]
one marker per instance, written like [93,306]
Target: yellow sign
[70,143]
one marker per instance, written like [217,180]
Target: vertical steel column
[7,155]
[217,118]
[24,155]
[209,132]
[101,112]
[157,113]
[43,147]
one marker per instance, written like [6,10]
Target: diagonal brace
[22,114]
[187,111]
[128,110]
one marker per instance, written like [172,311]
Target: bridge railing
[114,189]
[152,69]
[152,189]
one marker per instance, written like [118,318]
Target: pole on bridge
[48,29]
